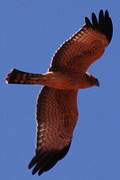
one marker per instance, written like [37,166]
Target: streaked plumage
[57,112]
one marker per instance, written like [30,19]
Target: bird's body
[57,112]
[58,80]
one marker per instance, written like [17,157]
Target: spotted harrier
[57,111]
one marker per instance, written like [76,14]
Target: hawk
[57,111]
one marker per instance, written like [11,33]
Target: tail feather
[20,77]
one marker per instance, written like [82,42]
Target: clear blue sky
[30,32]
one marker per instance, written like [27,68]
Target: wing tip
[87,21]
[42,162]
[103,25]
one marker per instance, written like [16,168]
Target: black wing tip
[87,21]
[103,25]
[43,161]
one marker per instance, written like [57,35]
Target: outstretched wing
[85,46]
[56,118]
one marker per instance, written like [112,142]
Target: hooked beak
[97,83]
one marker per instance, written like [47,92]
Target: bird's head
[93,80]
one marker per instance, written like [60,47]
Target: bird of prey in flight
[57,111]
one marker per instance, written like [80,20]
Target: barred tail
[20,77]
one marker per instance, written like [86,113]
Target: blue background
[30,33]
